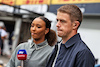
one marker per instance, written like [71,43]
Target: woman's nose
[33,28]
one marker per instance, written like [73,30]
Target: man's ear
[76,24]
[46,30]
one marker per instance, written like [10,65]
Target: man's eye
[57,20]
[63,21]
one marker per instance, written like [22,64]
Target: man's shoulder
[81,47]
[3,31]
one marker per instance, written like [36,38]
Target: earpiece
[75,24]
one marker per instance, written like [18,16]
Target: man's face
[64,25]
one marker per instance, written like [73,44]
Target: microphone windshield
[22,54]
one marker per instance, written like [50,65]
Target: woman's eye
[39,27]
[32,26]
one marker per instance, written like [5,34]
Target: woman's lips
[33,33]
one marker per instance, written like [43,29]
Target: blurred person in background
[3,35]
[6,50]
[72,51]
[39,48]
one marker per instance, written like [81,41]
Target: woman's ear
[46,31]
[76,24]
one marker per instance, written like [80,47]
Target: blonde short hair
[73,11]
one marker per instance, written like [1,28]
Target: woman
[39,49]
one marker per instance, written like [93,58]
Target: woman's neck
[37,41]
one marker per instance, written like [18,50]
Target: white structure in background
[35,8]
[52,17]
[6,8]
[82,9]
[16,32]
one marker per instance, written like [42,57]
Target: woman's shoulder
[49,48]
[22,45]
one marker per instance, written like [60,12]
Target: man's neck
[65,39]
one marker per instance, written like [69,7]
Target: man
[3,35]
[73,52]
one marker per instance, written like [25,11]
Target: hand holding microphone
[22,55]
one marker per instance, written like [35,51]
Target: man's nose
[58,24]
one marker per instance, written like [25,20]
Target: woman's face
[38,29]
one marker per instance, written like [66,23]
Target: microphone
[22,55]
